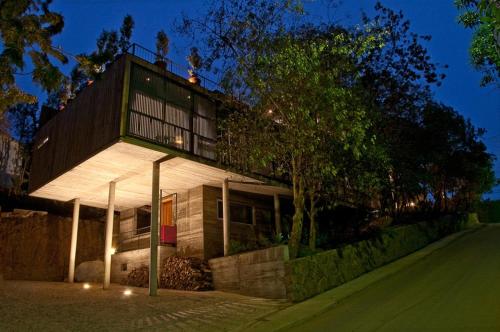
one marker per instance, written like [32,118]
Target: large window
[238,212]
[143,220]
[166,112]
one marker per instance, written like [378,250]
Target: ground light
[86,286]
[127,292]
[113,251]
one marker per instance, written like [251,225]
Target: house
[140,142]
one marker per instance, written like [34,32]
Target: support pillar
[277,214]
[109,235]
[155,207]
[225,216]
[74,237]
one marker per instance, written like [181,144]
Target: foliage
[109,45]
[484,17]
[23,121]
[343,113]
[162,44]
[27,28]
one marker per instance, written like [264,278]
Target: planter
[161,63]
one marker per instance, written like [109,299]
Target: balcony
[165,112]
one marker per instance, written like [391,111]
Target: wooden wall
[212,227]
[89,123]
[190,241]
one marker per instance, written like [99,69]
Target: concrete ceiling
[130,166]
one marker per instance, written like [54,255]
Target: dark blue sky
[84,19]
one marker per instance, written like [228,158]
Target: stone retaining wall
[36,245]
[309,276]
[269,273]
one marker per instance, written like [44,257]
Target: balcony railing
[140,238]
[175,68]
[167,112]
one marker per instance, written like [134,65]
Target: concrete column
[225,216]
[155,207]
[109,235]
[277,214]
[74,237]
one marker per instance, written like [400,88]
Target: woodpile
[185,273]
[138,277]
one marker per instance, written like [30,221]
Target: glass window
[237,212]
[143,220]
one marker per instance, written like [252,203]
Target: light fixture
[147,79]
[113,251]
[178,140]
[86,285]
[269,111]
[127,292]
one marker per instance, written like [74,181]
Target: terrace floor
[56,306]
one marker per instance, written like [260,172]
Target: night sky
[84,20]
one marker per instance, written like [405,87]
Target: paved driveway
[46,306]
[456,288]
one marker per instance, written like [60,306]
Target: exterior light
[86,285]
[193,79]
[113,251]
[127,292]
[147,79]
[412,204]
[178,140]
[270,111]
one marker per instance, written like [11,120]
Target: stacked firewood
[185,273]
[138,277]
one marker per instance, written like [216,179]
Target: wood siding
[89,123]
[190,223]
[244,233]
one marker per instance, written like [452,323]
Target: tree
[27,28]
[306,108]
[109,45]
[397,79]
[23,122]
[484,17]
[459,168]
[162,44]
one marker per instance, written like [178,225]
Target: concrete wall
[124,262]
[190,223]
[35,246]
[258,273]
[269,273]
[245,233]
[199,231]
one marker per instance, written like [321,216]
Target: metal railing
[171,66]
[136,239]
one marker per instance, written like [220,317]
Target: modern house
[141,143]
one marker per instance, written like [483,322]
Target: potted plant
[162,43]
[195,63]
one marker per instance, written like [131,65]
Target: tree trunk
[298,216]
[312,219]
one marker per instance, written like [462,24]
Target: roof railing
[170,66]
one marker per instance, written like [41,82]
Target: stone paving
[50,306]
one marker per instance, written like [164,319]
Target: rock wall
[36,245]
[309,276]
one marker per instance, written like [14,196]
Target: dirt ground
[57,306]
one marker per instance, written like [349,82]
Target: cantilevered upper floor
[135,114]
